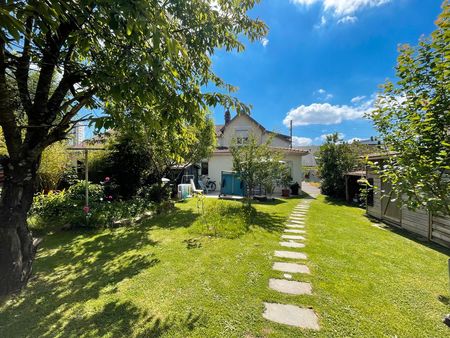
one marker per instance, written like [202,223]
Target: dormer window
[241,136]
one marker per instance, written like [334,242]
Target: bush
[54,163]
[68,207]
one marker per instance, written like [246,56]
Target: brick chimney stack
[227,116]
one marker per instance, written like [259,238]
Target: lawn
[167,278]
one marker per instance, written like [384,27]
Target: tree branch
[23,67]
[52,51]
[7,119]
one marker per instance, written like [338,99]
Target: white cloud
[357,99]
[347,19]
[342,7]
[323,137]
[323,95]
[323,22]
[342,10]
[264,42]
[301,141]
[323,113]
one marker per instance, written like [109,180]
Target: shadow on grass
[394,229]
[73,268]
[123,319]
[175,219]
[410,235]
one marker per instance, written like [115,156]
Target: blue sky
[322,62]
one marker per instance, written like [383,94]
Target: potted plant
[295,188]
[285,182]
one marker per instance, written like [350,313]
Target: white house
[240,127]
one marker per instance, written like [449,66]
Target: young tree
[413,118]
[256,163]
[143,60]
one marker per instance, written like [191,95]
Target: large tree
[413,117]
[142,60]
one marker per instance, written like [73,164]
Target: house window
[204,168]
[241,136]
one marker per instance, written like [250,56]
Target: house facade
[240,128]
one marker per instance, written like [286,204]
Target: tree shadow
[336,201]
[177,218]
[124,319]
[410,235]
[71,269]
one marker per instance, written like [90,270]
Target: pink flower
[110,197]
[107,179]
[86,209]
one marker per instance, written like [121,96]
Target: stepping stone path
[290,286]
[293,237]
[292,244]
[292,315]
[294,231]
[300,226]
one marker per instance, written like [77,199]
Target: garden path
[287,314]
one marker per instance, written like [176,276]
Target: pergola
[86,149]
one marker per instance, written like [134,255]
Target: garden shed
[382,205]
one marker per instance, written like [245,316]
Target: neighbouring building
[76,134]
[219,167]
[372,141]
[309,163]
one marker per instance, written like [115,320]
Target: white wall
[219,162]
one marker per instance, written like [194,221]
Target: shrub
[67,207]
[54,163]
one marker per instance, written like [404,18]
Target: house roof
[221,127]
[225,150]
[309,160]
[358,173]
[381,156]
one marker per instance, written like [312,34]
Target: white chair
[194,189]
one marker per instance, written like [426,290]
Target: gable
[242,125]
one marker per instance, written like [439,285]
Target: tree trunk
[17,250]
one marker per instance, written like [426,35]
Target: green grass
[170,278]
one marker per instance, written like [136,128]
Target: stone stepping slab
[290,254]
[294,231]
[293,237]
[297,220]
[298,214]
[291,267]
[292,244]
[299,226]
[290,287]
[291,315]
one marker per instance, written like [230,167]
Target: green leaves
[417,126]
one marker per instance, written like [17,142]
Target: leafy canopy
[413,117]
[337,158]
[143,61]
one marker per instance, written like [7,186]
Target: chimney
[227,116]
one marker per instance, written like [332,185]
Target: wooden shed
[381,206]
